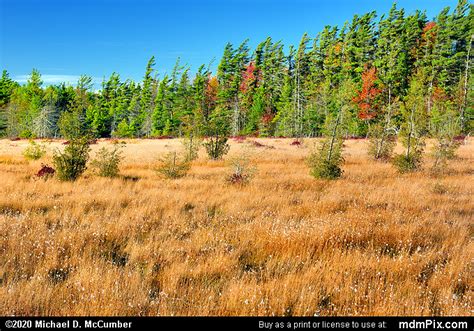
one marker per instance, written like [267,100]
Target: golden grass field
[371,243]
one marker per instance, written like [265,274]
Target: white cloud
[55,79]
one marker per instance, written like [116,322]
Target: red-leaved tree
[248,77]
[367,98]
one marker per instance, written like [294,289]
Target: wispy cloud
[55,79]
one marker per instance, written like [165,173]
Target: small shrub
[325,162]
[445,126]
[46,172]
[325,169]
[382,143]
[191,146]
[71,163]
[382,152]
[34,151]
[296,142]
[172,166]
[241,170]
[192,137]
[443,150]
[217,147]
[408,163]
[412,129]
[107,161]
[217,130]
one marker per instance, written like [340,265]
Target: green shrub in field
[107,161]
[173,166]
[192,140]
[412,129]
[325,162]
[217,147]
[34,151]
[71,163]
[445,126]
[241,170]
[191,145]
[217,131]
[408,163]
[381,143]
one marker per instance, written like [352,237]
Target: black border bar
[239,323]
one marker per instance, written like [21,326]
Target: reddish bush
[235,178]
[459,138]
[296,142]
[67,142]
[45,172]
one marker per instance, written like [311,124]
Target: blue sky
[64,39]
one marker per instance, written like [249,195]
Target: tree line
[378,76]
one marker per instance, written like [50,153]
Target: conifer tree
[7,85]
[325,162]
[412,129]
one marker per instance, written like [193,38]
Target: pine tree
[142,123]
[278,91]
[413,128]
[325,162]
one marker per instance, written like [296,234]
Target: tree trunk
[333,136]
[466,77]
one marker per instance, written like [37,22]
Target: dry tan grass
[371,243]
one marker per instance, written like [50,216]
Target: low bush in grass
[107,161]
[72,162]
[173,166]
[34,151]
[241,170]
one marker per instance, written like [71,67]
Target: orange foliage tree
[367,97]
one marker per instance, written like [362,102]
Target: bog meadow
[330,178]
